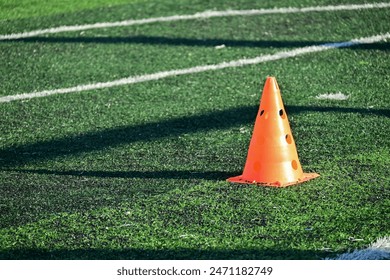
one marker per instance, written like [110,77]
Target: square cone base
[306,177]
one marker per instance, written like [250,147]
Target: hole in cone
[282,114]
[261,112]
[294,164]
[288,138]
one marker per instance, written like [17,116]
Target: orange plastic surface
[272,155]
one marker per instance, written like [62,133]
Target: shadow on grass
[164,174]
[192,42]
[92,141]
[340,110]
[167,254]
[159,40]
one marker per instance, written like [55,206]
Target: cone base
[241,180]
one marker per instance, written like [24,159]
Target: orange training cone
[272,156]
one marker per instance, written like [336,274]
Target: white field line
[202,15]
[379,250]
[198,69]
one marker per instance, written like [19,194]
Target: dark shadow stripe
[163,174]
[92,141]
[167,254]
[192,42]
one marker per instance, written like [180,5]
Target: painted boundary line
[198,69]
[202,15]
[379,250]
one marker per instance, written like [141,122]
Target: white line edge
[201,15]
[197,69]
[379,250]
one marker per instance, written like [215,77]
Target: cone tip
[271,84]
[271,79]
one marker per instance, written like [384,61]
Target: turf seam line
[201,15]
[198,69]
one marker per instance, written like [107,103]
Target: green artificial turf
[139,171]
[10,9]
